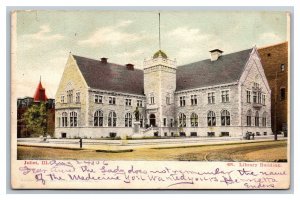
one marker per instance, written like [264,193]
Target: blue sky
[45,38]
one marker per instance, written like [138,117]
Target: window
[249,115]
[211,97]
[256,119]
[70,96]
[225,118]
[62,99]
[182,101]
[264,119]
[193,100]
[282,94]
[259,97]
[182,120]
[152,99]
[112,134]
[211,118]
[254,97]
[194,120]
[128,102]
[59,122]
[73,119]
[139,103]
[224,134]
[165,122]
[255,84]
[112,100]
[193,134]
[112,119]
[141,121]
[171,122]
[168,100]
[98,98]
[210,134]
[248,96]
[77,98]
[128,120]
[263,99]
[98,118]
[225,96]
[282,67]
[64,118]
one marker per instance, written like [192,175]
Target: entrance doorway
[152,120]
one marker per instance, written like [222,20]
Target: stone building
[24,103]
[226,95]
[274,60]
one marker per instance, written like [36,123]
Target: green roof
[160,53]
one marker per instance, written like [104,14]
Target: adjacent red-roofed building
[24,103]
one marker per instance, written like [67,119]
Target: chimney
[215,54]
[104,60]
[130,66]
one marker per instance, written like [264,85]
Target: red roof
[40,93]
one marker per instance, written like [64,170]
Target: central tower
[159,88]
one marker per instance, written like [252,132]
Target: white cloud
[187,35]
[111,35]
[44,34]
[269,38]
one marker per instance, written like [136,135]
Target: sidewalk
[120,145]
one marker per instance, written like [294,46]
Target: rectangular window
[210,134]
[263,99]
[259,97]
[168,100]
[182,101]
[255,97]
[282,94]
[193,134]
[152,100]
[112,100]
[224,134]
[225,96]
[62,99]
[77,99]
[98,98]
[128,102]
[139,103]
[211,97]
[194,100]
[165,121]
[248,120]
[70,96]
[171,122]
[248,96]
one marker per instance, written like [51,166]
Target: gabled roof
[227,69]
[110,76]
[113,77]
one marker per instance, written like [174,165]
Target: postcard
[165,99]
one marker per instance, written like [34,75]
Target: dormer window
[128,102]
[98,98]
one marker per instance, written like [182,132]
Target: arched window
[256,119]
[141,120]
[264,119]
[194,120]
[182,120]
[98,118]
[112,119]
[73,119]
[225,118]
[128,120]
[249,116]
[64,118]
[211,118]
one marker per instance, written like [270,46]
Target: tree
[35,119]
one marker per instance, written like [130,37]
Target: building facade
[24,103]
[274,59]
[226,95]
